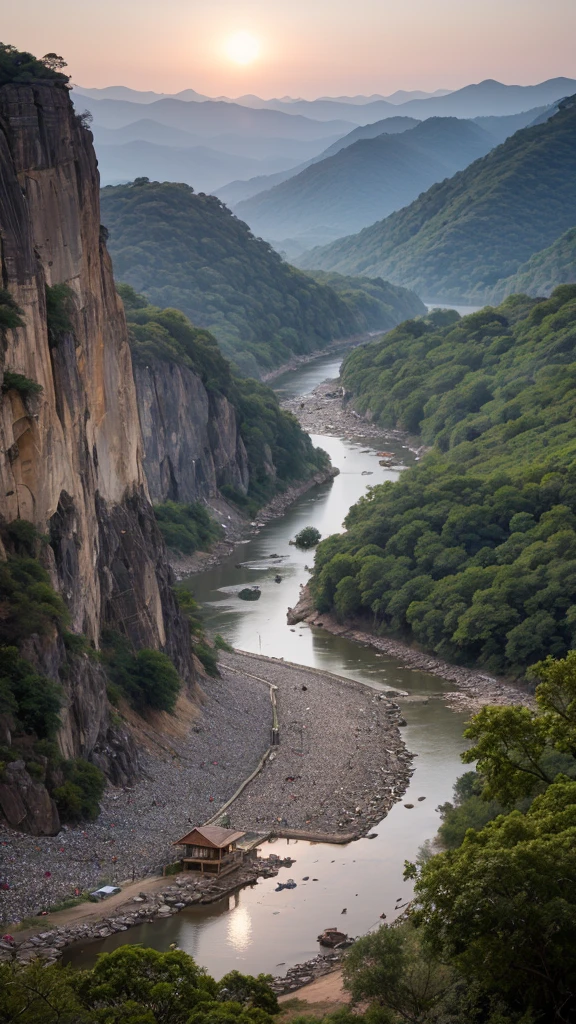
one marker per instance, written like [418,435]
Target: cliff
[71,456]
[192,445]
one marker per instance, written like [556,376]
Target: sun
[242,48]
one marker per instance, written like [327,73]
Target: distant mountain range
[459,239]
[366,180]
[483,99]
[271,136]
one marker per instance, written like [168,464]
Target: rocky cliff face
[192,445]
[71,457]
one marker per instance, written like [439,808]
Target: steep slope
[236,191]
[189,251]
[543,272]
[472,554]
[71,463]
[367,180]
[459,238]
[207,433]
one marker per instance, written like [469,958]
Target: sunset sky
[299,47]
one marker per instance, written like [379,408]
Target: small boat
[385,455]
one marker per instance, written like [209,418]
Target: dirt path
[329,990]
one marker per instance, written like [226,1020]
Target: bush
[222,645]
[22,537]
[309,537]
[29,604]
[187,528]
[148,678]
[78,798]
[59,307]
[10,312]
[208,656]
[18,382]
[34,699]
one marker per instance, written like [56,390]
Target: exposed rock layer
[192,445]
[71,457]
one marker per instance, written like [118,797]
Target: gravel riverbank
[186,781]
[341,763]
[340,766]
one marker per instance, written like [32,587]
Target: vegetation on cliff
[279,452]
[190,252]
[458,239]
[30,700]
[21,68]
[472,553]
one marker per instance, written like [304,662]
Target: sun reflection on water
[240,928]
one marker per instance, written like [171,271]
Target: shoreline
[238,528]
[343,345]
[352,737]
[476,688]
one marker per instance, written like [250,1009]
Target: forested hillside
[278,451]
[366,180]
[462,236]
[472,554]
[544,271]
[189,252]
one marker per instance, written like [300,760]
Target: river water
[258,929]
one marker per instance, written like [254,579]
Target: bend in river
[259,929]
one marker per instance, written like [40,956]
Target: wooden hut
[211,848]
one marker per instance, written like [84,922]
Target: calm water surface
[259,929]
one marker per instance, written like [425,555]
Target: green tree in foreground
[521,750]
[502,907]
[132,985]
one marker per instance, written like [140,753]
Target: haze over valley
[288,513]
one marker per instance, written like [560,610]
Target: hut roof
[212,835]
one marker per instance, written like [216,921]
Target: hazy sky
[307,47]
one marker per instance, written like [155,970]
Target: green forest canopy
[271,435]
[190,252]
[458,239]
[472,553]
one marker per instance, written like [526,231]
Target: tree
[53,62]
[309,537]
[502,907]
[521,750]
[392,968]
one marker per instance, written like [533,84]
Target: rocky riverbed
[187,778]
[341,763]
[340,766]
[325,410]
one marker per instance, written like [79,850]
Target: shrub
[222,645]
[78,798]
[10,312]
[309,537]
[187,528]
[19,66]
[29,604]
[208,656]
[18,382]
[22,536]
[35,699]
[59,306]
[148,678]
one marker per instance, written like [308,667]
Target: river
[259,929]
